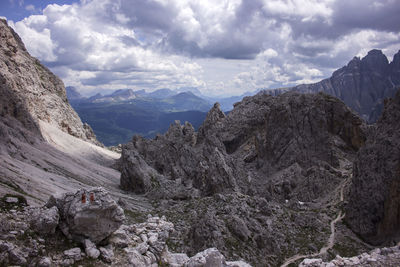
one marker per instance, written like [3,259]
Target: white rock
[44,221]
[237,264]
[142,248]
[73,253]
[311,262]
[153,237]
[208,258]
[44,262]
[67,262]
[135,258]
[119,238]
[11,200]
[173,259]
[107,253]
[90,249]
[143,237]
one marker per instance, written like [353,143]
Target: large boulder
[374,202]
[88,214]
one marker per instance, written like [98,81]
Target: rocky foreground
[375,258]
[87,228]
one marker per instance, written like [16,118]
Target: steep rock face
[374,207]
[174,166]
[33,110]
[262,141]
[31,88]
[362,84]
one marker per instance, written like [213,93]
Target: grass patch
[5,206]
[135,216]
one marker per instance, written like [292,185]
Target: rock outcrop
[240,181]
[362,84]
[88,214]
[388,256]
[30,91]
[140,244]
[254,150]
[374,204]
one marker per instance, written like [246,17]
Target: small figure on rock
[83,198]
[91,197]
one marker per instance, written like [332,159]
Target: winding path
[331,240]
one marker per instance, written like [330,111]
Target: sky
[221,47]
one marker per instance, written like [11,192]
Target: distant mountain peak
[186,93]
[123,92]
[362,84]
[375,52]
[72,93]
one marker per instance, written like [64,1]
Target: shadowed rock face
[362,84]
[267,146]
[374,207]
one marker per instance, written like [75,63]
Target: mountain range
[362,84]
[116,117]
[277,180]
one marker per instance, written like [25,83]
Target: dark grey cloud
[154,44]
[382,15]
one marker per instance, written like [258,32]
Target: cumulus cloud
[219,46]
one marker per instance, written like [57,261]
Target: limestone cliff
[44,147]
[30,91]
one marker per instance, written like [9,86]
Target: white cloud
[304,8]
[90,55]
[30,7]
[105,44]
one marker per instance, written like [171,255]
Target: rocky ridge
[276,136]
[373,211]
[271,168]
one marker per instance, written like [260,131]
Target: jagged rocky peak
[123,93]
[376,60]
[262,138]
[374,207]
[33,88]
[362,84]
